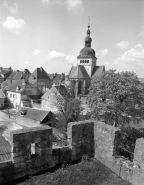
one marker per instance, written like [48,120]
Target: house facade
[40,79]
[19,94]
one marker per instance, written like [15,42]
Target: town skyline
[51,34]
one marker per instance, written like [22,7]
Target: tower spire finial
[88,22]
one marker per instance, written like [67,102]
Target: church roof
[86,53]
[97,70]
[79,73]
[72,70]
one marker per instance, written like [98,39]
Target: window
[33,149]
[87,61]
[13,95]
[10,95]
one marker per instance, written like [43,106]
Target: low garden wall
[32,151]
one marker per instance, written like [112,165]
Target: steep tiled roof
[18,76]
[73,68]
[21,84]
[80,73]
[97,70]
[34,114]
[11,76]
[58,78]
[61,89]
[39,73]
[51,76]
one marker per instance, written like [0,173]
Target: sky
[50,33]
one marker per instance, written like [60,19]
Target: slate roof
[97,70]
[61,89]
[11,76]
[18,75]
[21,84]
[79,73]
[58,78]
[51,76]
[73,68]
[2,95]
[34,114]
[39,73]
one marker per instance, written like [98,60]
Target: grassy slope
[84,173]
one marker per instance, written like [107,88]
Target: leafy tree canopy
[117,98]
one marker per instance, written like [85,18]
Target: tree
[116,98]
[67,106]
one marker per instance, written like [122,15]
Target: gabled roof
[97,70]
[19,86]
[34,114]
[18,75]
[39,73]
[79,73]
[58,78]
[51,76]
[2,95]
[11,76]
[73,68]
[61,89]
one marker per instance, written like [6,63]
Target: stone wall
[81,139]
[32,151]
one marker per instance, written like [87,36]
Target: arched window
[87,61]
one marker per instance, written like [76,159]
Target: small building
[20,93]
[40,79]
[30,117]
[49,99]
[2,99]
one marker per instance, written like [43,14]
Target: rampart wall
[32,151]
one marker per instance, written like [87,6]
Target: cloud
[71,5]
[134,56]
[45,1]
[12,9]
[131,60]
[13,25]
[141,34]
[59,61]
[122,44]
[54,55]
[74,4]
[36,52]
[104,52]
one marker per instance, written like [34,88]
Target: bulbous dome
[88,39]
[87,51]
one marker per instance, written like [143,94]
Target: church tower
[87,56]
